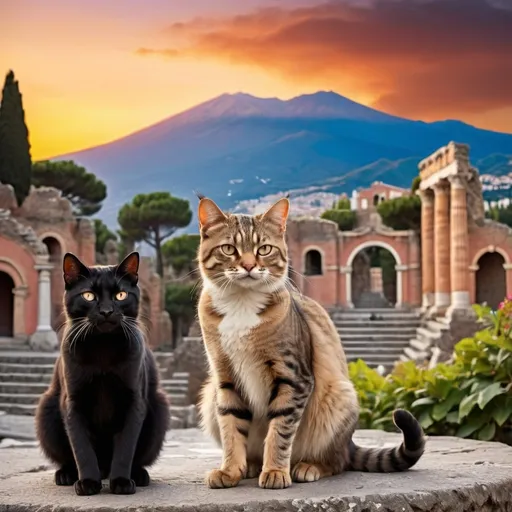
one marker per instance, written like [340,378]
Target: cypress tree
[15,161]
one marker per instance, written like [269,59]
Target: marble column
[19,327]
[441,248]
[400,285]
[44,338]
[427,248]
[459,240]
[347,272]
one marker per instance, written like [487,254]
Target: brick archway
[16,300]
[398,266]
[490,279]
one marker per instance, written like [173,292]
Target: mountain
[238,147]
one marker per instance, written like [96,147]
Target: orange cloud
[417,58]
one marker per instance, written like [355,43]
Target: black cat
[104,414]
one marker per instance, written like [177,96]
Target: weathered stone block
[455,475]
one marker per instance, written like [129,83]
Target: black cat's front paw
[121,485]
[141,477]
[87,487]
[66,476]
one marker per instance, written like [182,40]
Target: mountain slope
[238,147]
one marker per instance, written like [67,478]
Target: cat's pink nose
[248,266]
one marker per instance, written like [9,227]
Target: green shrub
[472,397]
[401,212]
[346,219]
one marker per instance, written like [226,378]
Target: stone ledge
[454,475]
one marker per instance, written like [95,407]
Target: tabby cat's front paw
[219,479]
[121,485]
[275,479]
[87,487]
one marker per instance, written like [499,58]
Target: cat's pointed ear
[73,269]
[278,213]
[209,213]
[129,267]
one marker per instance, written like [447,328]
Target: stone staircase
[371,300]
[429,335]
[377,335]
[25,375]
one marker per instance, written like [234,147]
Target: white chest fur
[240,313]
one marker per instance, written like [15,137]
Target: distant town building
[369,198]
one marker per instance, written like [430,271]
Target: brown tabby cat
[278,399]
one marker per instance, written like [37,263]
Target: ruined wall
[309,233]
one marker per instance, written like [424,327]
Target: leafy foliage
[342,204]
[15,160]
[180,303]
[103,234]
[346,219]
[415,184]
[83,189]
[401,213]
[501,214]
[341,214]
[152,218]
[181,252]
[472,397]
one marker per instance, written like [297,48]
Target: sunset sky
[93,70]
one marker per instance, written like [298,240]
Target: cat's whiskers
[133,330]
[81,329]
[182,278]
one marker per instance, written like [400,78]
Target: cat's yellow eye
[121,295]
[265,250]
[88,296]
[228,250]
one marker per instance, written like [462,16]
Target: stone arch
[491,249]
[374,243]
[9,266]
[57,236]
[56,249]
[313,261]
[13,292]
[398,266]
[491,279]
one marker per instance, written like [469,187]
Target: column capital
[441,188]
[345,270]
[426,195]
[44,266]
[457,181]
[20,291]
[507,266]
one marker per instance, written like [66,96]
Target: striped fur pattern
[278,398]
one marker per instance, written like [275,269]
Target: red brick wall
[16,261]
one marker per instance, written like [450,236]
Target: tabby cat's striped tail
[387,460]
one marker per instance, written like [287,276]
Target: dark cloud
[421,58]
